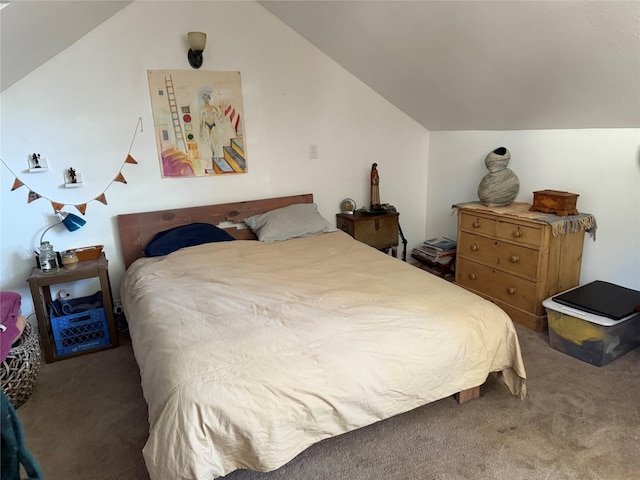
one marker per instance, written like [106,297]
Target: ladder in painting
[175,116]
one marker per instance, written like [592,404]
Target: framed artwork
[198,120]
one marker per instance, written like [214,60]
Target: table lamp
[69,220]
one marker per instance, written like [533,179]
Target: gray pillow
[299,220]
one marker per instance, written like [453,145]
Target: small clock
[348,205]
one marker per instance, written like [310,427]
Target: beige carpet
[87,420]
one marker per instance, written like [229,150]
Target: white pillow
[299,220]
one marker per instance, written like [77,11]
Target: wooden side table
[378,231]
[40,286]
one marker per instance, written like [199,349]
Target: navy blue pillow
[185,236]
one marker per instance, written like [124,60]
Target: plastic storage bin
[83,329]
[592,338]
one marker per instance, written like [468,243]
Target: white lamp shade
[69,220]
[197,40]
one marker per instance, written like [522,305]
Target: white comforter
[251,352]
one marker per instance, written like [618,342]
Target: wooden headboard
[136,229]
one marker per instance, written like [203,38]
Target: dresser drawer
[499,254]
[346,226]
[477,224]
[524,234]
[510,256]
[378,231]
[497,284]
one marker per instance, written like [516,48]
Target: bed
[254,349]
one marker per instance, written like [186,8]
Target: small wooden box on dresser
[516,262]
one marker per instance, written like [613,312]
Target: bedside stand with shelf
[443,271]
[378,231]
[40,285]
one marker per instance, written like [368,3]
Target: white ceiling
[486,65]
[32,32]
[450,65]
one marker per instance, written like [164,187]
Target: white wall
[80,109]
[602,166]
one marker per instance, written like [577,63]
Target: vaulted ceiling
[32,32]
[486,65]
[450,65]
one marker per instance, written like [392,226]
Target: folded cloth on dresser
[559,225]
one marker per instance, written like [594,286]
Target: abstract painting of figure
[198,119]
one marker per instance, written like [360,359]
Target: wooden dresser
[516,261]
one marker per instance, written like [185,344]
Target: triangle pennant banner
[32,195]
[16,184]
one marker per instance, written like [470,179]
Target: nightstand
[378,231]
[40,286]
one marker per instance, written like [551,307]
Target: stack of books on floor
[437,254]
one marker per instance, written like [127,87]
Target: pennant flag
[16,184]
[82,208]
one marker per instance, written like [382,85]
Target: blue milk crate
[82,330]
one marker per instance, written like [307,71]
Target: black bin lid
[602,298]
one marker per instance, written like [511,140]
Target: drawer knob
[472,276]
[517,233]
[514,258]
[511,290]
[474,247]
[476,224]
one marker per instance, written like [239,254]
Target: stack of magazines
[437,252]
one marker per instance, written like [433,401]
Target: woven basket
[19,370]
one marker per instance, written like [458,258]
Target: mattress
[250,352]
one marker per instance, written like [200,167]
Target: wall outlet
[117,307]
[64,293]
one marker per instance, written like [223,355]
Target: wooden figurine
[72,178]
[375,187]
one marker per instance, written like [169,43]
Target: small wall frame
[37,163]
[72,179]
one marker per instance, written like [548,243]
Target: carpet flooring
[87,419]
